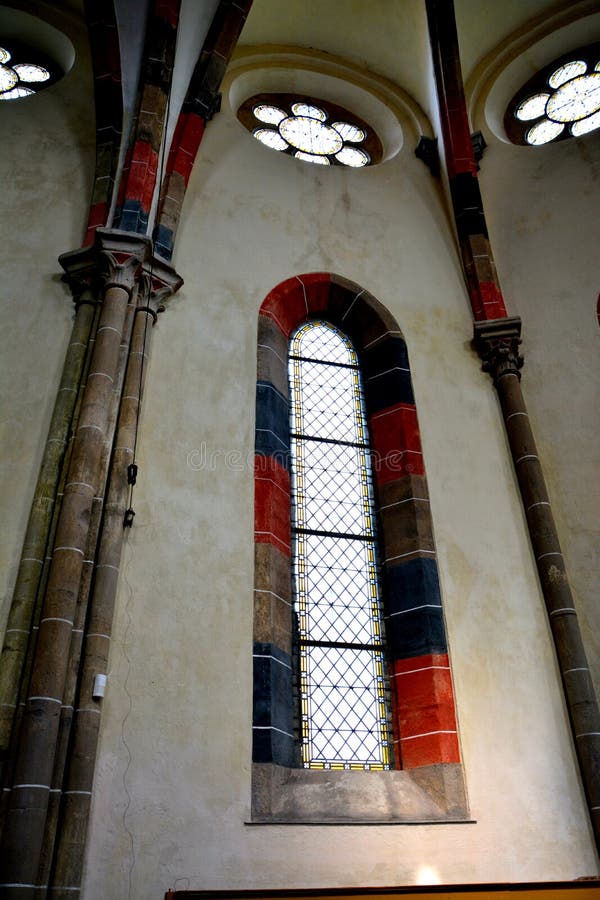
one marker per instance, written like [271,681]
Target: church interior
[299,474]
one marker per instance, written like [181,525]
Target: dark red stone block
[272,504]
[396,443]
[425,711]
[286,305]
[317,286]
[430,750]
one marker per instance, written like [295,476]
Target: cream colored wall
[172,791]
[46,169]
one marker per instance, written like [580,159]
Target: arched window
[302,766]
[340,640]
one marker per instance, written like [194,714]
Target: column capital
[121,259]
[160,281]
[497,343]
[114,258]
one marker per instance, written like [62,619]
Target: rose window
[22,72]
[311,130]
[561,101]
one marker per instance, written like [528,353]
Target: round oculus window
[311,130]
[23,71]
[561,101]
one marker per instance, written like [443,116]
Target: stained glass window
[311,130]
[342,678]
[19,75]
[561,101]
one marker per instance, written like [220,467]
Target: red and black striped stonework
[201,102]
[424,717]
[141,164]
[106,62]
[484,289]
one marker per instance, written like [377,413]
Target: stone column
[118,261]
[71,842]
[23,606]
[498,346]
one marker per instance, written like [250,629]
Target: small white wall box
[99,687]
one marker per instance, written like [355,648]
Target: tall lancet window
[340,644]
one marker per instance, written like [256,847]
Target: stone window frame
[428,782]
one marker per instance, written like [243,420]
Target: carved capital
[115,258]
[80,271]
[159,282]
[119,271]
[120,256]
[497,343]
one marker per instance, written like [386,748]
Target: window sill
[425,795]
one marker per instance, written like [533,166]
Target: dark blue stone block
[132,217]
[414,620]
[389,389]
[273,718]
[163,241]
[272,423]
[389,353]
[269,746]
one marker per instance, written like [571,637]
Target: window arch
[426,756]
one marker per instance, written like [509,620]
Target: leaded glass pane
[307,109]
[16,93]
[8,78]
[585,125]
[342,676]
[310,135]
[270,138]
[576,99]
[543,132]
[272,115]
[311,158]
[532,108]
[31,73]
[567,71]
[353,157]
[349,132]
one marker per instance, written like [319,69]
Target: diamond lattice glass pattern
[344,716]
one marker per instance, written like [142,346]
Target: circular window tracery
[561,101]
[311,130]
[23,71]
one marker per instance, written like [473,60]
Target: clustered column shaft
[22,611]
[52,670]
[68,709]
[26,816]
[78,789]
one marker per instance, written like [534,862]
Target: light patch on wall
[427,875]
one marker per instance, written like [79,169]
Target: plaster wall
[172,794]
